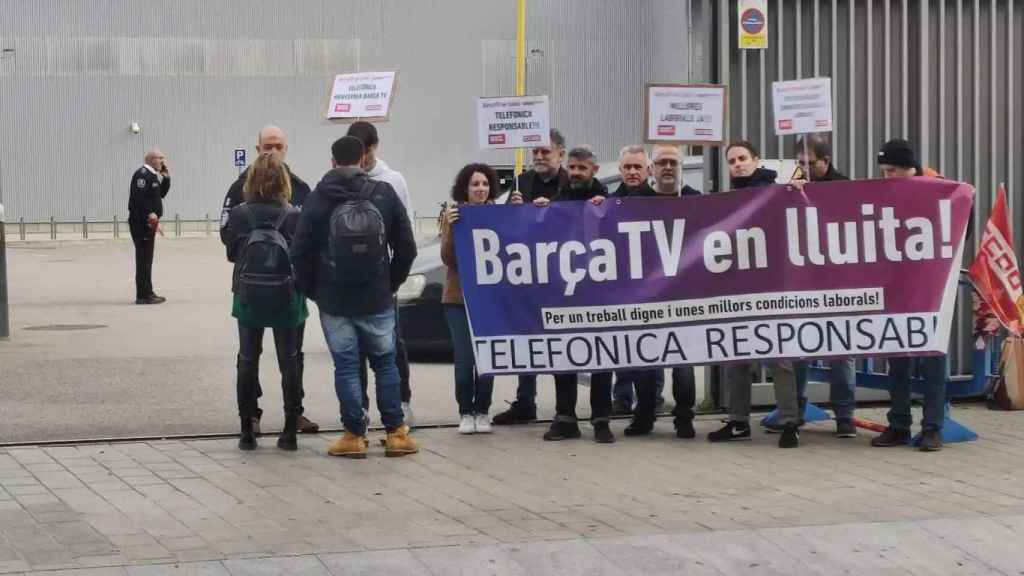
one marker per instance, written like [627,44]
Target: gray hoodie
[381,171]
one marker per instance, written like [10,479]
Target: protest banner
[802,106]
[513,121]
[753,25]
[362,96]
[684,113]
[862,268]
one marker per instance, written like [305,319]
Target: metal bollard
[53,228]
[117,233]
[5,323]
[206,223]
[177,225]
[21,227]
[85,228]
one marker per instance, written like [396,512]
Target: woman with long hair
[258,234]
[475,184]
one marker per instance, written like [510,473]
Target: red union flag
[995,271]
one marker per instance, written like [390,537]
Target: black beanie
[897,152]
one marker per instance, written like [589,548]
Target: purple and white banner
[860,268]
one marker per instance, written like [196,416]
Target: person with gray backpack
[353,248]
[257,236]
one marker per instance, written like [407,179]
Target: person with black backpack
[353,248]
[257,235]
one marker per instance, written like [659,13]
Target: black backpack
[357,249]
[266,279]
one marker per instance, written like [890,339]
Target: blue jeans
[374,334]
[625,380]
[933,369]
[842,384]
[472,391]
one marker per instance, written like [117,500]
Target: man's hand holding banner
[864,268]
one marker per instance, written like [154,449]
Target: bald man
[272,140]
[149,186]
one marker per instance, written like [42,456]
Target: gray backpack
[357,249]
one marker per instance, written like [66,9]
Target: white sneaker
[483,423]
[410,420]
[467,424]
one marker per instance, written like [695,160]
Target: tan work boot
[348,446]
[399,443]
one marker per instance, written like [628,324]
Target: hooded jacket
[234,197]
[381,171]
[760,177]
[311,239]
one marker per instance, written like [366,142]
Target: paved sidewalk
[510,503]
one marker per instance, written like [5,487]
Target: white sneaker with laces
[410,420]
[467,425]
[483,423]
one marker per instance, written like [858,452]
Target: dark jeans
[526,391]
[300,335]
[249,349]
[684,391]
[566,391]
[626,380]
[933,369]
[472,391]
[145,241]
[842,383]
[401,357]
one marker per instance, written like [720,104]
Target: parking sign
[240,157]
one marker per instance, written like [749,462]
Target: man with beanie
[896,159]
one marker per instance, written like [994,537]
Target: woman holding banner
[475,184]
[745,172]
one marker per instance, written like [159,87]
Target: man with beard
[582,186]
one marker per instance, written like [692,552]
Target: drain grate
[66,327]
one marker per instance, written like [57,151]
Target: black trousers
[566,392]
[401,358]
[300,335]
[144,240]
[684,392]
[250,346]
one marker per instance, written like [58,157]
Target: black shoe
[603,434]
[307,426]
[639,428]
[562,431]
[775,428]
[730,432]
[891,437]
[620,408]
[790,437]
[845,428]
[287,439]
[517,413]
[931,441]
[684,429]
[151,300]
[246,440]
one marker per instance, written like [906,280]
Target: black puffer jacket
[311,239]
[760,177]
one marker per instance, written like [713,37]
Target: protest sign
[685,113]
[802,106]
[362,95]
[753,24]
[513,122]
[764,273]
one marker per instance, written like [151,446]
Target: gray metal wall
[201,77]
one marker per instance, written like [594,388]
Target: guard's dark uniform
[145,197]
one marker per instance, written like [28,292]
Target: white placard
[685,113]
[513,122]
[361,95]
[802,106]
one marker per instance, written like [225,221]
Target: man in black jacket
[149,186]
[357,313]
[543,181]
[582,186]
[271,140]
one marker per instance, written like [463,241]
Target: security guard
[272,140]
[149,186]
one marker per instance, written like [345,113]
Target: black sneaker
[620,408]
[891,437]
[931,441]
[603,434]
[684,429]
[845,428]
[790,437]
[517,413]
[639,428]
[731,431]
[562,431]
